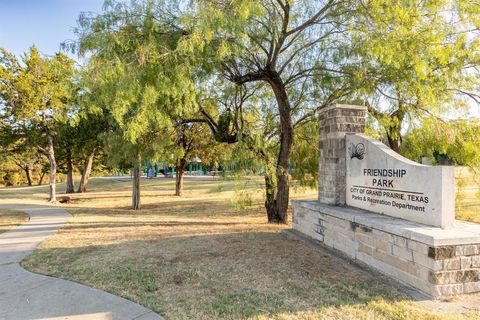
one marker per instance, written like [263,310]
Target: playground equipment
[194,168]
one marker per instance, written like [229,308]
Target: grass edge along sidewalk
[204,257]
[11,218]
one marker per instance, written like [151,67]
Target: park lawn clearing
[211,255]
[468,195]
[11,218]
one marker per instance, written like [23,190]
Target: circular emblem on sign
[357,151]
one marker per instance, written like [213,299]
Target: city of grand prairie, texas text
[383,191]
[406,227]
[382,181]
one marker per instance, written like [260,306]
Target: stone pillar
[335,122]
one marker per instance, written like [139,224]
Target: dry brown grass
[203,257]
[11,218]
[468,195]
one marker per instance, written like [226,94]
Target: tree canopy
[176,79]
[37,96]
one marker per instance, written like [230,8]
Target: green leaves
[417,51]
[137,70]
[457,140]
[37,92]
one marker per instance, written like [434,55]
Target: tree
[306,151]
[243,116]
[455,140]
[37,95]
[29,161]
[192,140]
[91,129]
[285,45]
[144,86]
[418,59]
[19,147]
[65,144]
[94,121]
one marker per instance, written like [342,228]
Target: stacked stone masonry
[335,122]
[437,270]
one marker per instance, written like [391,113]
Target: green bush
[14,178]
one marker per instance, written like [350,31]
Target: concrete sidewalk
[28,296]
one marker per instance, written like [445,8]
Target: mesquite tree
[94,121]
[420,58]
[286,45]
[192,140]
[91,128]
[411,53]
[37,94]
[65,147]
[142,83]
[456,140]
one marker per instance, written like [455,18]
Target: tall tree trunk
[53,169]
[87,170]
[179,181]
[270,201]
[27,173]
[136,181]
[179,172]
[42,175]
[27,170]
[392,123]
[394,129]
[70,183]
[286,142]
[394,139]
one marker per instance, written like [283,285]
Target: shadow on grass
[216,276]
[216,266]
[185,207]
[213,269]
[112,224]
[85,197]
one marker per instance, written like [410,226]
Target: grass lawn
[468,195]
[207,255]
[11,218]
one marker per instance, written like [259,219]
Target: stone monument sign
[380,180]
[388,212]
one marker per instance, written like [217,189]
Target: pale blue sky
[45,23]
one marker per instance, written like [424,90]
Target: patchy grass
[468,195]
[204,256]
[11,218]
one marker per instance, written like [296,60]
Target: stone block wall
[335,122]
[390,246]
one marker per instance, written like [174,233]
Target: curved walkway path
[28,296]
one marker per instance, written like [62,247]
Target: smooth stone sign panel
[382,181]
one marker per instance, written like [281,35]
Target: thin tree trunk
[136,181]
[393,125]
[179,181]
[394,132]
[27,173]
[87,170]
[286,142]
[394,141]
[70,183]
[270,201]
[42,175]
[53,169]
[180,171]
[26,169]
